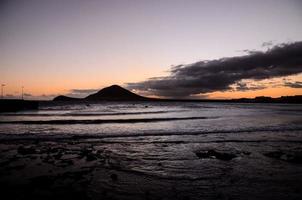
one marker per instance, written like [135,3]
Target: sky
[74,47]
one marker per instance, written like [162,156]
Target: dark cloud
[45,96]
[79,93]
[27,95]
[297,84]
[83,91]
[267,44]
[241,86]
[39,97]
[219,75]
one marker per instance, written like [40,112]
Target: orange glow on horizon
[47,88]
[55,89]
[271,92]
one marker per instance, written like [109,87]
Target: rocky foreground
[86,169]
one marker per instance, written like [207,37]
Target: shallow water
[151,142]
[120,119]
[158,131]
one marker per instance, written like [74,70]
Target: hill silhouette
[111,93]
[65,98]
[118,93]
[114,92]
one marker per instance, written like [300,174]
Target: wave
[63,136]
[86,114]
[101,121]
[193,133]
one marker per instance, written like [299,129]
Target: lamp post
[2,90]
[22,95]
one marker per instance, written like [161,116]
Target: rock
[26,150]
[215,154]
[274,154]
[246,153]
[113,177]
[48,159]
[292,157]
[65,163]
[91,157]
[53,150]
[85,152]
[89,154]
[58,156]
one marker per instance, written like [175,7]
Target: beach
[150,100]
[200,158]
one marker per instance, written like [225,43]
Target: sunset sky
[75,47]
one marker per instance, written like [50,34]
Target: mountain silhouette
[117,93]
[65,98]
[114,92]
[111,93]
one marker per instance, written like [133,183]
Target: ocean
[192,149]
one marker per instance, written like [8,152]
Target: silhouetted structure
[13,105]
[116,93]
[111,93]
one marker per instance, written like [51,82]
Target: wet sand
[97,169]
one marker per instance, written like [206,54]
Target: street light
[22,92]
[2,89]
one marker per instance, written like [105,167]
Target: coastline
[14,105]
[86,169]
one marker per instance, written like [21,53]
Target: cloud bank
[296,84]
[219,75]
[83,91]
[80,93]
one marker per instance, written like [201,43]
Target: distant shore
[297,99]
[13,105]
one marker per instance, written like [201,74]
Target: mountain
[116,93]
[111,93]
[65,98]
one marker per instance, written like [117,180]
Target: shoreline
[87,169]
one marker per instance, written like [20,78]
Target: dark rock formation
[215,154]
[115,93]
[26,150]
[113,177]
[292,157]
[112,93]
